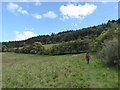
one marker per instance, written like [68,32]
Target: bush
[109,53]
[4,48]
[10,50]
[37,48]
[46,51]
[19,50]
[25,49]
[98,43]
[69,47]
[33,51]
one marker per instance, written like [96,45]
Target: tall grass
[63,71]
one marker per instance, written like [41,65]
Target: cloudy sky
[22,20]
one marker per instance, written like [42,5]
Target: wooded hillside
[85,33]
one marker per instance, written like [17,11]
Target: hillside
[90,33]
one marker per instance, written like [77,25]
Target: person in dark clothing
[87,57]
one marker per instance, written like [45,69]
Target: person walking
[87,57]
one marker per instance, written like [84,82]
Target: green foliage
[66,36]
[67,42]
[48,46]
[0,48]
[98,43]
[4,48]
[33,51]
[10,49]
[75,46]
[46,51]
[109,53]
[106,36]
[17,50]
[37,48]
[26,49]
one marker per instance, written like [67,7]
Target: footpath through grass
[64,71]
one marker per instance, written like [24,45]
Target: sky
[23,20]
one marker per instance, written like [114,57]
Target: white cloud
[73,0]
[50,14]
[37,16]
[12,7]
[77,11]
[48,34]
[116,6]
[24,12]
[104,1]
[24,35]
[37,4]
[19,9]
[24,0]
[15,8]
[64,18]
[74,24]
[29,28]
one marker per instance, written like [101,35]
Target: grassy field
[64,71]
[48,46]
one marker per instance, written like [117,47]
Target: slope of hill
[91,33]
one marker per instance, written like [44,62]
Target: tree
[37,47]
[4,48]
[52,34]
[108,21]
[26,49]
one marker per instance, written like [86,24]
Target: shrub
[54,50]
[99,41]
[10,50]
[26,49]
[46,51]
[33,51]
[18,50]
[4,48]
[69,47]
[37,48]
[109,53]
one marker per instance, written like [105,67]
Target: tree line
[76,46]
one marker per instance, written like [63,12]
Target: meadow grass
[48,46]
[62,71]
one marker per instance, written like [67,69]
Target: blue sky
[22,20]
